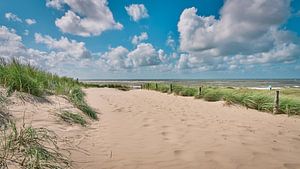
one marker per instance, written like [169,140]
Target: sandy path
[147,129]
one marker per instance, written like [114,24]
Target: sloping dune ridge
[151,130]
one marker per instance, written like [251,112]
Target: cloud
[12,17]
[138,39]
[120,58]
[137,11]
[30,21]
[57,4]
[66,56]
[248,32]
[85,18]
[144,55]
[59,60]
[10,43]
[63,45]
[117,58]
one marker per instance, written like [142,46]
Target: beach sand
[151,130]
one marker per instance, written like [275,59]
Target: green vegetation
[262,100]
[184,91]
[32,148]
[116,86]
[76,95]
[164,88]
[72,118]
[25,78]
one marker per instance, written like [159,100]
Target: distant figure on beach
[270,87]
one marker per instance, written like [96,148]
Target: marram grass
[254,99]
[16,76]
[72,118]
[31,148]
[76,95]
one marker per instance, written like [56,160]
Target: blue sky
[141,39]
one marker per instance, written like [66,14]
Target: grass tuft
[212,96]
[76,96]
[4,116]
[29,147]
[72,118]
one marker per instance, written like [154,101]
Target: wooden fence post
[199,91]
[171,88]
[276,103]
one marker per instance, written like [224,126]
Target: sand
[151,130]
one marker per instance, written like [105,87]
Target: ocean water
[249,83]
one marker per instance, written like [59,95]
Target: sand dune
[151,130]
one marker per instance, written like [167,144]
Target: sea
[247,83]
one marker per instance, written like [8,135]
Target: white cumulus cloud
[85,18]
[117,58]
[247,32]
[66,56]
[137,11]
[120,58]
[144,55]
[68,47]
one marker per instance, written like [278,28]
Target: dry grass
[31,148]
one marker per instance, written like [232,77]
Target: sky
[154,39]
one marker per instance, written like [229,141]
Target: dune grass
[112,85]
[262,100]
[16,76]
[32,148]
[76,96]
[72,118]
[26,78]
[4,116]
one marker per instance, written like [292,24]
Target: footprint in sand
[146,125]
[296,138]
[165,134]
[292,165]
[178,152]
[276,149]
[118,109]
[183,155]
[209,153]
